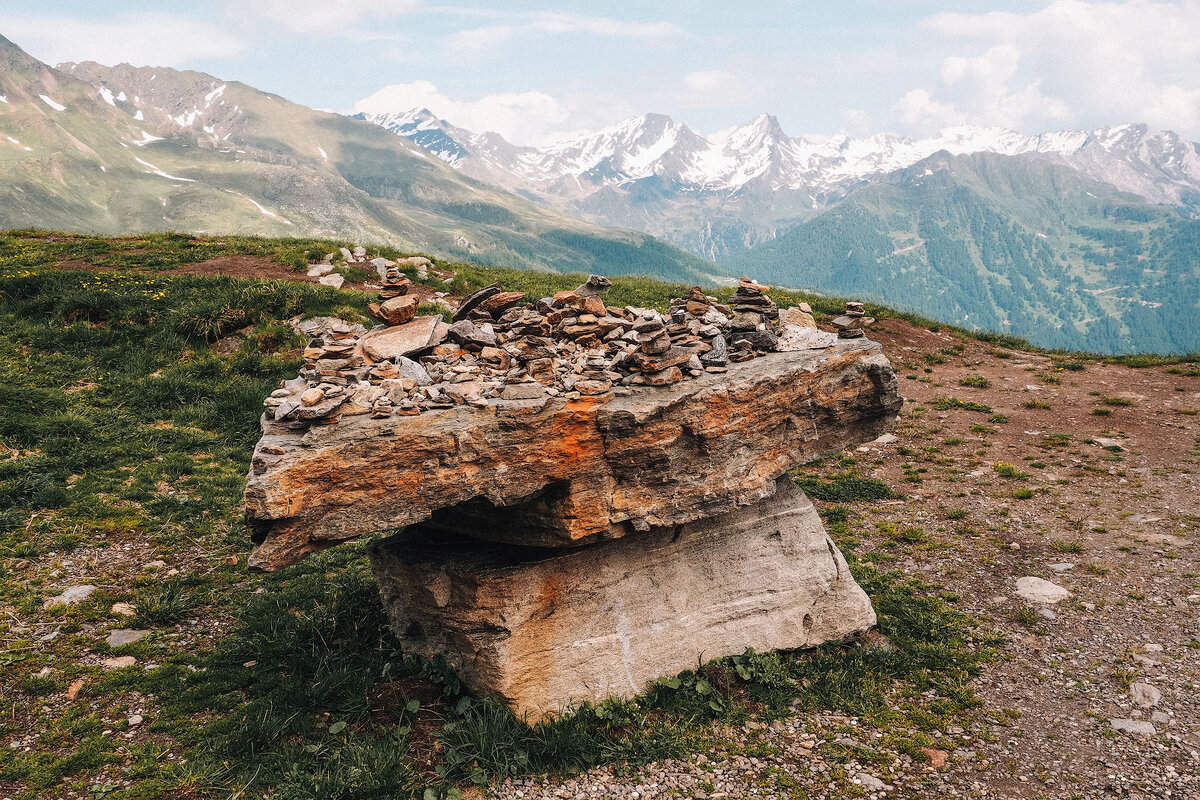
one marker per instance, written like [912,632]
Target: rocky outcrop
[589,496]
[563,471]
[545,629]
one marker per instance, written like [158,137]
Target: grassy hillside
[1010,245]
[185,151]
[129,404]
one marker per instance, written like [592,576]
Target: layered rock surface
[545,629]
[566,471]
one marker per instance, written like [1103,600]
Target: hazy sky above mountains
[537,71]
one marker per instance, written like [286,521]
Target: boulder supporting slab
[546,629]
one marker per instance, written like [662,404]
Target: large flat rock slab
[546,629]
[566,472]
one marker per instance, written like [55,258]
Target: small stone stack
[754,318]
[396,306]
[853,322]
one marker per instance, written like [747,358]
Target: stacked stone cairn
[570,345]
[853,322]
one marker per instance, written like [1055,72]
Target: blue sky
[539,71]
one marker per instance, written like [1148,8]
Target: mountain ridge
[133,149]
[1009,244]
[743,185]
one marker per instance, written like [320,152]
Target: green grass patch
[845,488]
[952,403]
[1006,470]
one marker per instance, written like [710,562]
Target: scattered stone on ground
[1039,590]
[118,662]
[125,636]
[72,596]
[1144,695]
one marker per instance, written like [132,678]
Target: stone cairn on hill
[853,322]
[325,275]
[590,496]
[571,344]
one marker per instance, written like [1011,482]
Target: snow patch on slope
[156,171]
[57,106]
[260,207]
[147,139]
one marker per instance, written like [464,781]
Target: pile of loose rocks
[572,344]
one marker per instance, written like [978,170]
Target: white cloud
[475,42]
[918,109]
[995,67]
[556,22]
[1069,63]
[858,122]
[152,39]
[713,88]
[325,16]
[531,117]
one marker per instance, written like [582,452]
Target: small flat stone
[593,387]
[1038,590]
[123,609]
[869,782]
[887,438]
[795,337]
[135,720]
[1144,695]
[401,340]
[468,334]
[397,310]
[118,662]
[1134,727]
[125,636]
[523,391]
[1062,567]
[334,280]
[71,597]
[413,371]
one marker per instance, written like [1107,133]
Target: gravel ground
[1066,711]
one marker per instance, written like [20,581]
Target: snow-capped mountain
[740,186]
